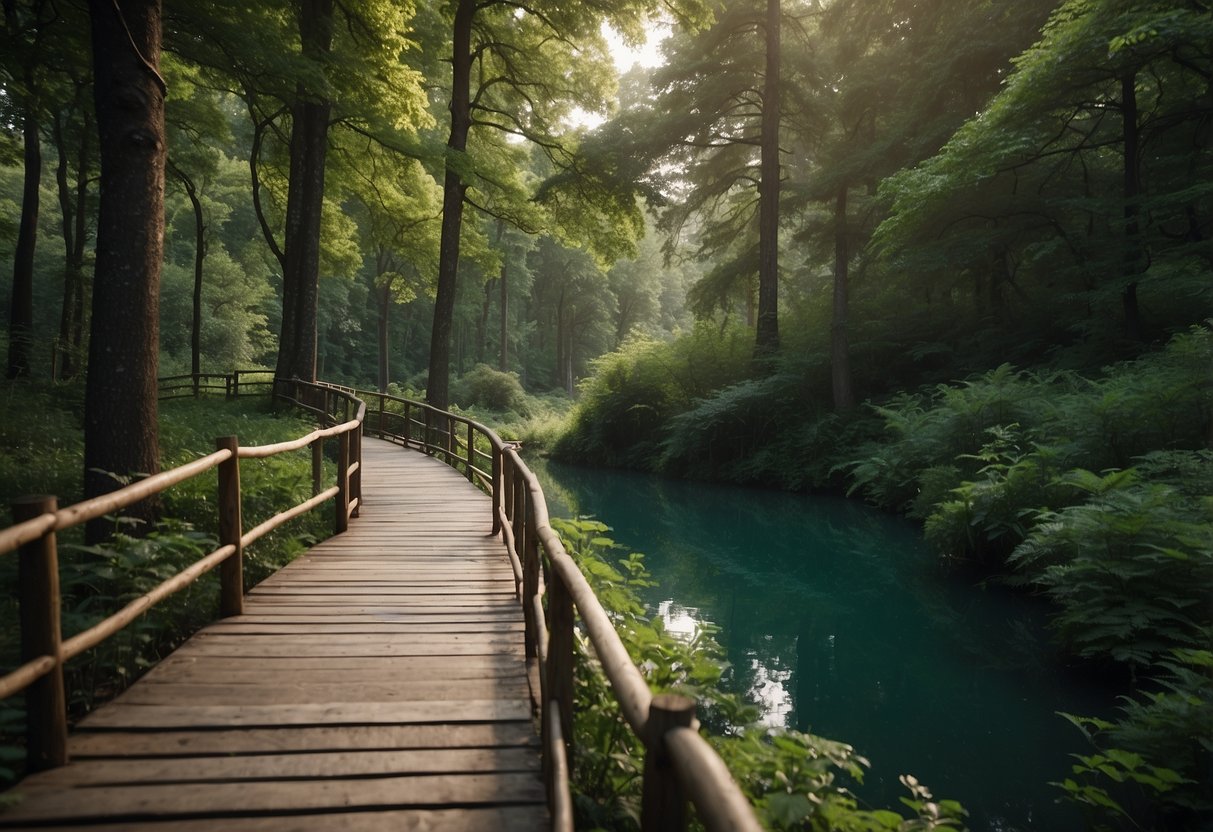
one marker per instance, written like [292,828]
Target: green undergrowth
[42,453]
[796,781]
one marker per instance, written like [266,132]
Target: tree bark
[766,341]
[385,306]
[191,191]
[482,325]
[1132,189]
[504,302]
[120,410]
[840,350]
[21,309]
[65,365]
[437,390]
[305,204]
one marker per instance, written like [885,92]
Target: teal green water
[837,620]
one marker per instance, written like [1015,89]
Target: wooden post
[194,380]
[428,430]
[497,489]
[236,384]
[528,551]
[343,484]
[408,424]
[38,588]
[471,446]
[382,407]
[356,480]
[317,464]
[561,656]
[663,806]
[231,527]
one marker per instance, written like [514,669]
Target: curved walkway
[378,682]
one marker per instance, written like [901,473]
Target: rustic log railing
[37,519]
[680,766]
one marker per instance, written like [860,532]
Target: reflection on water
[835,620]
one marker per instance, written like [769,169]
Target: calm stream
[837,620]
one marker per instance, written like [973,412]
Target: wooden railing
[229,384]
[680,766]
[37,519]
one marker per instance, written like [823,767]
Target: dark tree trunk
[120,429]
[305,204]
[766,341]
[65,364]
[78,305]
[437,390]
[1132,189]
[191,191]
[482,325]
[21,309]
[504,303]
[840,349]
[385,307]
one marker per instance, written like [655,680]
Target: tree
[26,33]
[120,423]
[518,68]
[1089,171]
[709,138]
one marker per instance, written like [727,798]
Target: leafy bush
[634,392]
[1151,768]
[796,781]
[1130,568]
[485,387]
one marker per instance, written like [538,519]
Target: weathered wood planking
[378,682]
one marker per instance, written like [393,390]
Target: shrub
[485,387]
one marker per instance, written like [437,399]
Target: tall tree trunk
[840,349]
[305,203]
[21,309]
[1132,189]
[482,325]
[558,369]
[65,363]
[385,307]
[120,428]
[437,390]
[766,341]
[76,318]
[504,303]
[191,190]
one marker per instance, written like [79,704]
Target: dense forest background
[951,255]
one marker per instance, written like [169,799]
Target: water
[837,620]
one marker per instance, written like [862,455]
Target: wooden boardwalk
[378,682]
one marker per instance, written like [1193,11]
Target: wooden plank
[288,628]
[42,803]
[329,765]
[495,819]
[226,742]
[377,682]
[118,715]
[303,690]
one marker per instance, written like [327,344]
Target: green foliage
[796,781]
[482,386]
[1153,763]
[1130,568]
[634,392]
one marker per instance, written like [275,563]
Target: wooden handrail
[44,651]
[680,764]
